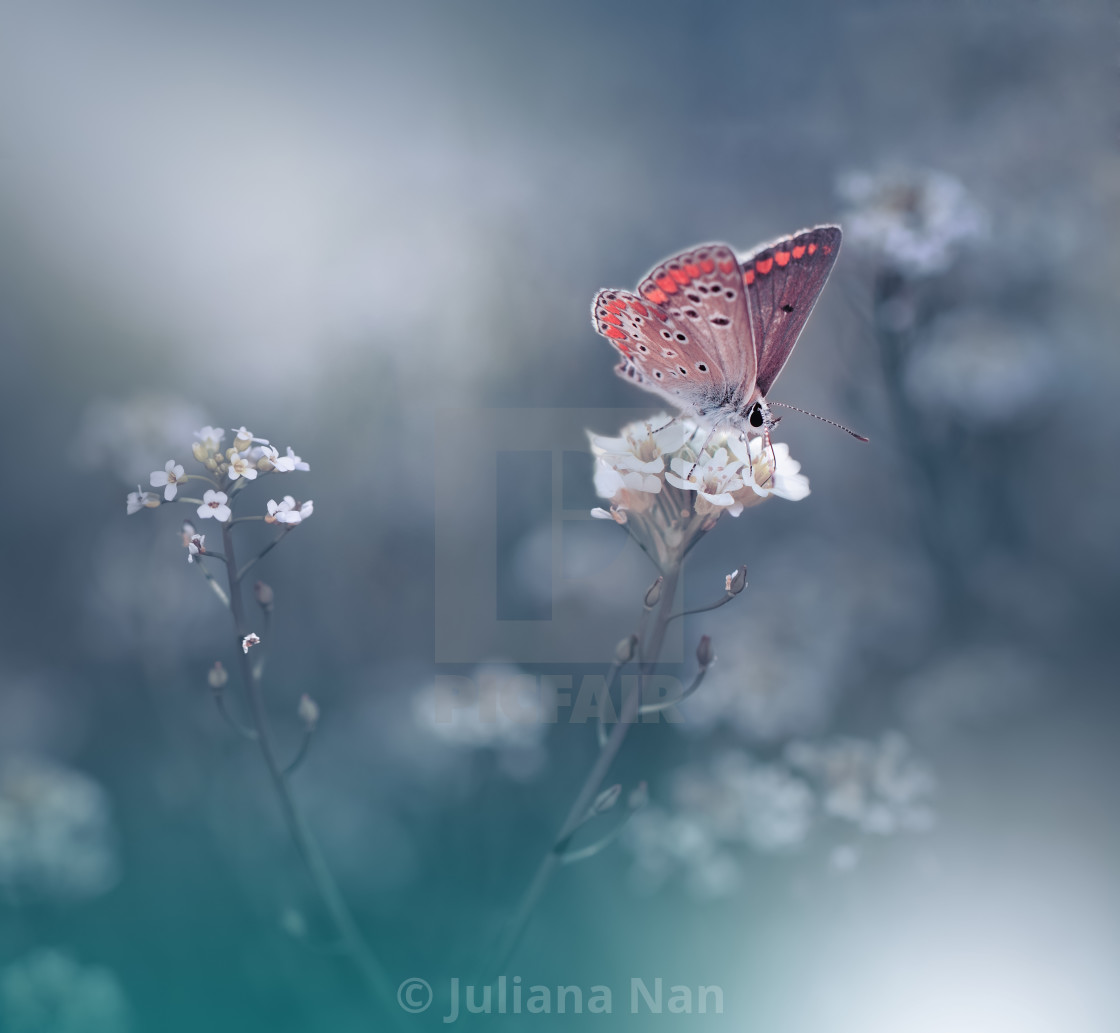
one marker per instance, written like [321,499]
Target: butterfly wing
[783,281]
[687,336]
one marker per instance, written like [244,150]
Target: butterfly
[710,332]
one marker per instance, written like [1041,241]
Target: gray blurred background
[892,805]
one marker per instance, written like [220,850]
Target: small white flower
[288,511]
[783,478]
[196,546]
[714,477]
[168,478]
[214,504]
[240,465]
[250,640]
[210,438]
[290,462]
[188,532]
[265,457]
[241,434]
[140,499]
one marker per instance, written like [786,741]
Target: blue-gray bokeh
[890,806]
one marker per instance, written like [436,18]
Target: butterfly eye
[755,417]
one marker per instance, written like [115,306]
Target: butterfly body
[710,331]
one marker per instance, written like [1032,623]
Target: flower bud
[308,711]
[653,596]
[624,651]
[704,651]
[606,799]
[217,676]
[201,453]
[250,640]
[736,581]
[262,592]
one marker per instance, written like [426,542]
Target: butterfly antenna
[846,430]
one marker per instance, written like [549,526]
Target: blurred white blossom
[140,499]
[879,786]
[57,837]
[913,221]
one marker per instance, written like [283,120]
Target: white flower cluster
[880,787]
[914,221]
[715,811]
[734,803]
[227,472]
[57,838]
[670,480]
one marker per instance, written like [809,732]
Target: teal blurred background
[345,225]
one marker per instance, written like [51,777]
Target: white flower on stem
[768,471]
[243,438]
[288,511]
[250,640]
[196,547]
[715,477]
[641,447]
[290,462]
[214,504]
[264,457]
[240,465]
[168,478]
[140,499]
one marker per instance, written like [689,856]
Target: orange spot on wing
[707,265]
[799,251]
[726,267]
[615,333]
[656,296]
[667,284]
[612,318]
[748,277]
[782,258]
[764,266]
[693,270]
[638,307]
[681,276]
[616,306]
[826,248]
[812,248]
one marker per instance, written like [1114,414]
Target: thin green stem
[593,784]
[264,552]
[374,976]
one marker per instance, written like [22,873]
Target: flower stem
[592,786]
[373,975]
